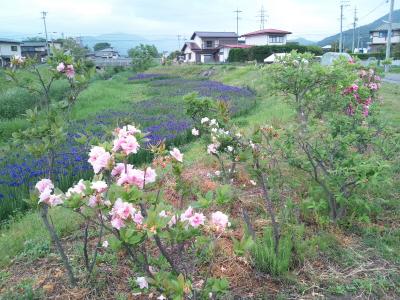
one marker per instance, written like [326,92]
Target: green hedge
[259,53]
[378,55]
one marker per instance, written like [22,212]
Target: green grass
[391,103]
[16,233]
[113,94]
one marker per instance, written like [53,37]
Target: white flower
[214,130]
[213,122]
[253,182]
[105,244]
[163,214]
[204,120]
[229,148]
[100,186]
[195,132]
[142,282]
[217,173]
[238,135]
[161,297]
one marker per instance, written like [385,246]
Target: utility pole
[354,29]
[342,5]
[237,11]
[45,31]
[389,37]
[179,41]
[262,17]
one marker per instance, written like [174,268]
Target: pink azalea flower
[138,218]
[93,201]
[175,153]
[122,210]
[219,220]
[128,130]
[44,184]
[187,214]
[118,169]
[69,71]
[365,110]
[45,195]
[60,68]
[142,282]
[98,158]
[354,87]
[212,149]
[196,220]
[128,144]
[54,200]
[117,223]
[99,186]
[150,175]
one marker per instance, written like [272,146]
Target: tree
[101,46]
[75,49]
[174,54]
[143,56]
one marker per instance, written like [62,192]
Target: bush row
[259,53]
[378,55]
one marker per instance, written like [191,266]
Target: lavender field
[161,114]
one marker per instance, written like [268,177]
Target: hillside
[364,32]
[302,41]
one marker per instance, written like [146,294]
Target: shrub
[259,53]
[264,257]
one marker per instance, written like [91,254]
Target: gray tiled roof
[215,34]
[4,40]
[385,26]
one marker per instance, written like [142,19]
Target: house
[379,36]
[38,49]
[8,49]
[266,37]
[107,53]
[205,46]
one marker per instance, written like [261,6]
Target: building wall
[201,42]
[224,54]
[261,40]
[5,49]
[192,55]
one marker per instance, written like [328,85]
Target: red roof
[267,31]
[235,46]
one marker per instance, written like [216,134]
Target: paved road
[392,78]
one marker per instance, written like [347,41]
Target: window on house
[276,39]
[190,56]
[209,44]
[382,34]
[14,48]
[216,43]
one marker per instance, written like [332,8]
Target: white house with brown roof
[205,46]
[266,37]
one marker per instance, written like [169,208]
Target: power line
[379,5]
[237,11]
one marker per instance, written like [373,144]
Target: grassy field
[361,261]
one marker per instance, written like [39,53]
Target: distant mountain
[364,32]
[122,42]
[302,41]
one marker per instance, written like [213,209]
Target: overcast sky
[311,19]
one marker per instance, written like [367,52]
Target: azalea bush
[338,124]
[126,204]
